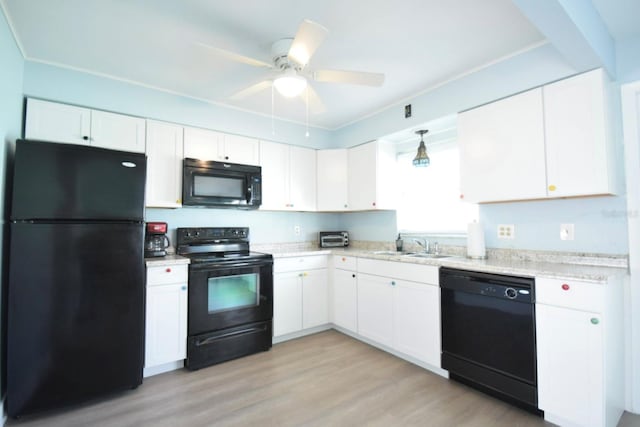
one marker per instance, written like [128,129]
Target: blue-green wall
[11,75]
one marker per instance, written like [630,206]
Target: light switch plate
[567,232]
[506,231]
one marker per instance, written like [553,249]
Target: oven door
[229,293]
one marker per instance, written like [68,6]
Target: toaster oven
[334,239]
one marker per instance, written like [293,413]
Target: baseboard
[161,369]
[302,333]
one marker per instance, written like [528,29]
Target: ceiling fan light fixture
[422,158]
[290,84]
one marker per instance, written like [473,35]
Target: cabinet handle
[462,196]
[346,206]
[85,137]
[393,283]
[168,270]
[343,259]
[595,320]
[353,275]
[305,274]
[565,287]
[184,288]
[226,157]
[552,187]
[374,203]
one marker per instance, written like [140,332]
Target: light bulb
[290,84]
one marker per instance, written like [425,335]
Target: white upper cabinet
[50,121]
[274,160]
[202,144]
[333,180]
[371,173]
[206,144]
[288,177]
[164,164]
[552,141]
[302,178]
[578,146]
[117,131]
[502,150]
[241,149]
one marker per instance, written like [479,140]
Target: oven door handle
[227,335]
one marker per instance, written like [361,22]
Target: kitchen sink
[425,255]
[387,253]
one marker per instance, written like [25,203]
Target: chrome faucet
[424,243]
[436,248]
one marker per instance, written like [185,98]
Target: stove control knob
[510,293]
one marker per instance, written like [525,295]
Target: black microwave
[221,185]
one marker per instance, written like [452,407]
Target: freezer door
[73,182]
[75,313]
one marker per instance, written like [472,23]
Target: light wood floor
[327,379]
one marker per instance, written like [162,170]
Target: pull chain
[307,95]
[273,124]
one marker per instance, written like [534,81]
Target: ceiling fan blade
[353,77]
[315,103]
[309,36]
[236,56]
[253,89]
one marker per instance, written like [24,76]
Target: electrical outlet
[567,232]
[296,230]
[506,231]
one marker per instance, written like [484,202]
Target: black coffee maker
[156,241]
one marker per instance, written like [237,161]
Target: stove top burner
[212,245]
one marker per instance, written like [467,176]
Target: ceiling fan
[289,58]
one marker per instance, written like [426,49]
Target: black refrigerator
[75,306]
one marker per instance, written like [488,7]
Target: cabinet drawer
[166,274]
[400,270]
[299,263]
[570,294]
[345,262]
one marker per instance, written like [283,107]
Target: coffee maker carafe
[156,241]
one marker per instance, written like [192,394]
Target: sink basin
[387,253]
[424,255]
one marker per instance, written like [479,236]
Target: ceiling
[620,17]
[416,43]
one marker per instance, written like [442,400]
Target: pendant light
[422,159]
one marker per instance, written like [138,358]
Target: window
[430,197]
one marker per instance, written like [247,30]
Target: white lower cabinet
[403,311]
[166,317]
[580,353]
[300,294]
[417,320]
[344,293]
[375,308]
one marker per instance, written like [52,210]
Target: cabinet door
[570,364]
[332,180]
[117,131]
[417,321]
[315,298]
[274,159]
[202,144]
[50,121]
[375,308]
[362,181]
[302,178]
[502,153]
[166,324]
[164,165]
[241,149]
[287,303]
[345,299]
[576,136]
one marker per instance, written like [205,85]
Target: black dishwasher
[488,334]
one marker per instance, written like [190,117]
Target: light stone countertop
[554,270]
[166,260]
